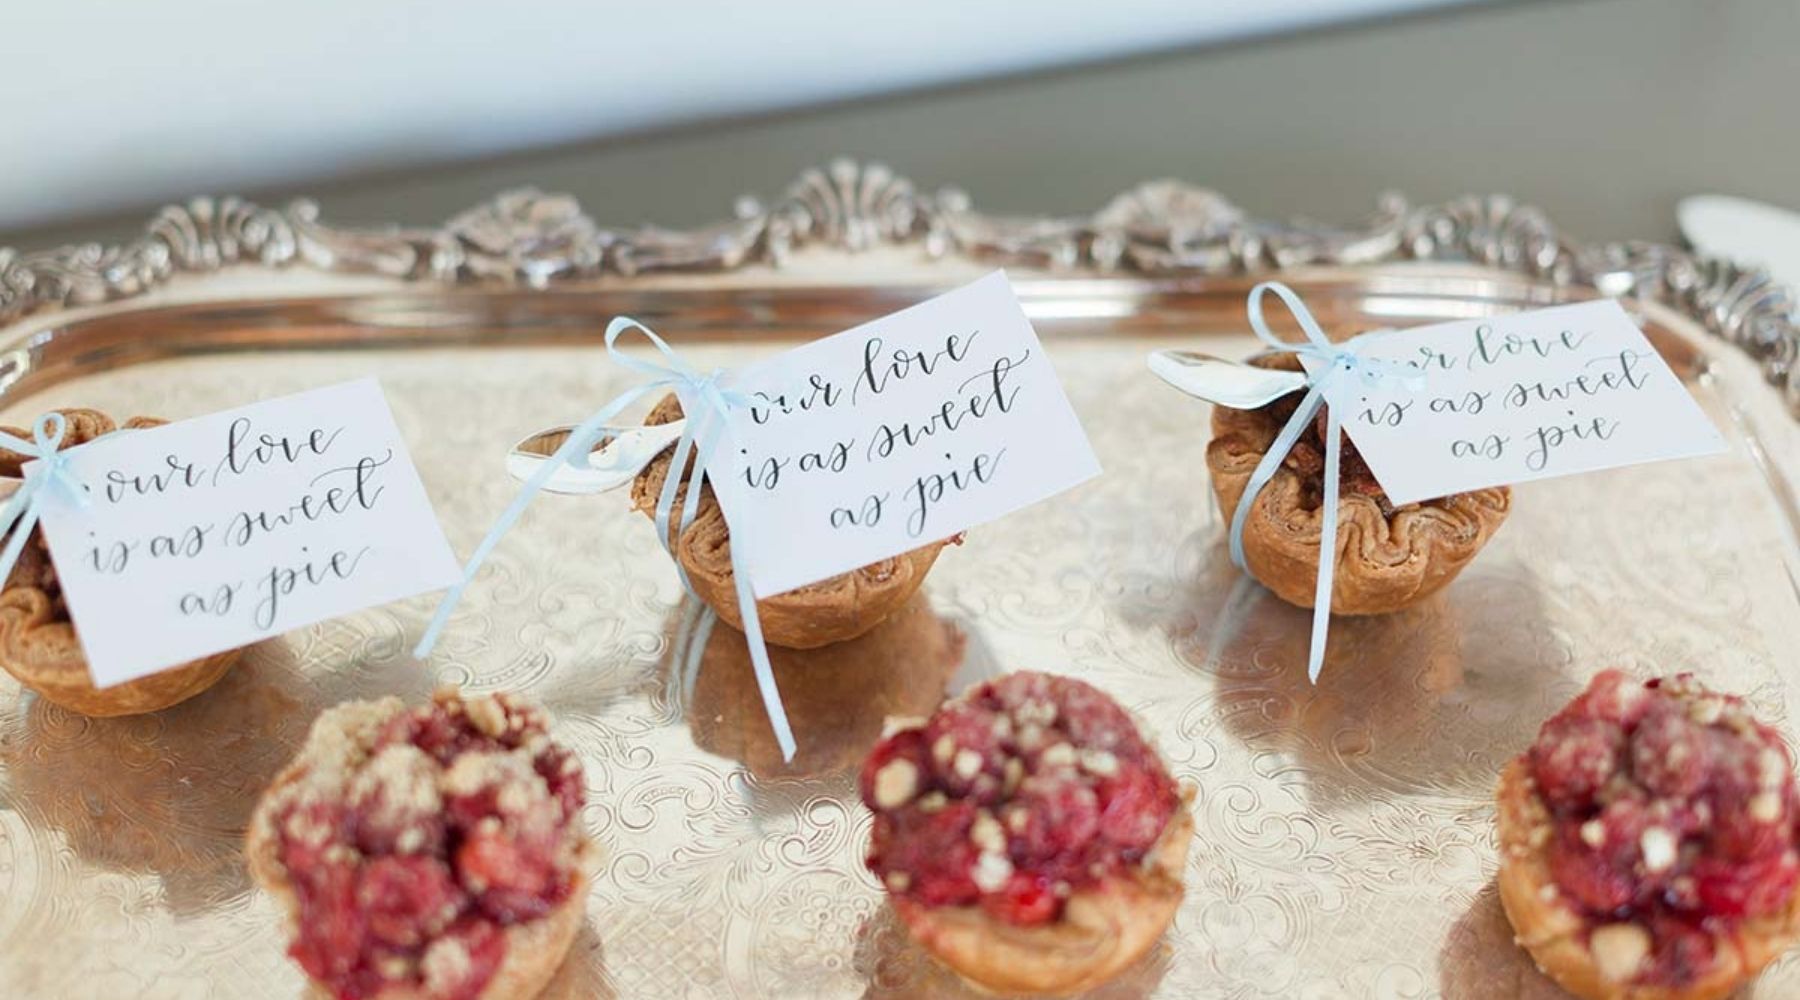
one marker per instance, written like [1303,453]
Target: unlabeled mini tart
[38,644]
[1648,847]
[832,610]
[1387,557]
[431,853]
[1028,835]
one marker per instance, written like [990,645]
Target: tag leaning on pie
[895,434]
[1511,399]
[218,531]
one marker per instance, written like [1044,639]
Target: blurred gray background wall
[1603,112]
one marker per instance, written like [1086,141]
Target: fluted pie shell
[818,614]
[1102,932]
[1555,933]
[1384,561]
[38,644]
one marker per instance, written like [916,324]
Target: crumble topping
[1673,820]
[413,838]
[1014,796]
[896,783]
[1619,950]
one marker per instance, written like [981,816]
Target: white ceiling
[113,103]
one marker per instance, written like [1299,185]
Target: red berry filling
[1014,796]
[1673,810]
[413,844]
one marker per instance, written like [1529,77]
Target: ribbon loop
[20,514]
[49,431]
[1336,362]
[706,403]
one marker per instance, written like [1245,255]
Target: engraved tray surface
[1344,845]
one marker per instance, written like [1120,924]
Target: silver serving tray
[1344,844]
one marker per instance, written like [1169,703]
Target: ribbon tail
[759,649]
[704,429]
[702,619]
[1328,525]
[685,448]
[759,659]
[20,518]
[581,440]
[1265,469]
[698,441]
[672,680]
[706,438]
[684,657]
[1230,621]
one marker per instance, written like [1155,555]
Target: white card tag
[211,533]
[1512,399]
[895,434]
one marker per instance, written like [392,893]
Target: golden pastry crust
[1556,934]
[38,644]
[1103,930]
[818,614]
[1384,562]
[535,950]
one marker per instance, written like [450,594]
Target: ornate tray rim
[1165,229]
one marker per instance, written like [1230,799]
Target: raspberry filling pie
[1029,806]
[431,852]
[1650,838]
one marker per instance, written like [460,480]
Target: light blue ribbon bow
[1336,362]
[706,404]
[20,514]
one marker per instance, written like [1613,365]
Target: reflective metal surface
[1345,846]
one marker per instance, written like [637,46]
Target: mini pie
[1648,847]
[842,607]
[432,853]
[38,644]
[1028,835]
[1388,557]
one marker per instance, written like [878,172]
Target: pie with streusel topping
[433,853]
[1648,841]
[1028,835]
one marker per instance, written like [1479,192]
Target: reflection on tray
[582,976]
[1438,696]
[837,697]
[168,794]
[1481,960]
[898,969]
